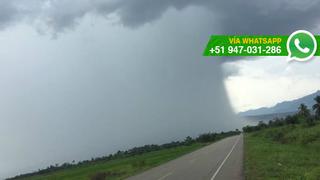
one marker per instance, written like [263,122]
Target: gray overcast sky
[80,79]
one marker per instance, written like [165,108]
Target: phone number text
[221,50]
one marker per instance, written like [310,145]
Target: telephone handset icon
[297,44]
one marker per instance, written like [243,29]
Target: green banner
[250,45]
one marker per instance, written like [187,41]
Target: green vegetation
[288,152]
[118,168]
[125,163]
[285,148]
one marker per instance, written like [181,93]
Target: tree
[188,141]
[292,119]
[316,107]
[262,125]
[304,111]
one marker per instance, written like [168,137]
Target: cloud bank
[274,16]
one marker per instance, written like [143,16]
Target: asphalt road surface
[222,160]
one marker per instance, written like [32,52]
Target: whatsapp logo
[301,46]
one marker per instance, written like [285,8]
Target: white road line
[165,176]
[225,159]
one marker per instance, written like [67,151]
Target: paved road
[222,160]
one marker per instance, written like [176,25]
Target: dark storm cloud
[138,12]
[275,16]
[83,96]
[251,16]
[8,13]
[264,17]
[230,70]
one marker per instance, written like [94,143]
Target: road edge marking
[165,176]
[225,159]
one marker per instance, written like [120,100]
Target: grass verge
[119,168]
[288,152]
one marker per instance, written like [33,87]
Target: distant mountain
[285,107]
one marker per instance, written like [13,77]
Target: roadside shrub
[309,137]
[292,119]
[262,125]
[289,138]
[276,135]
[310,121]
[314,174]
[207,137]
[188,141]
[256,133]
[99,176]
[278,122]
[138,164]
